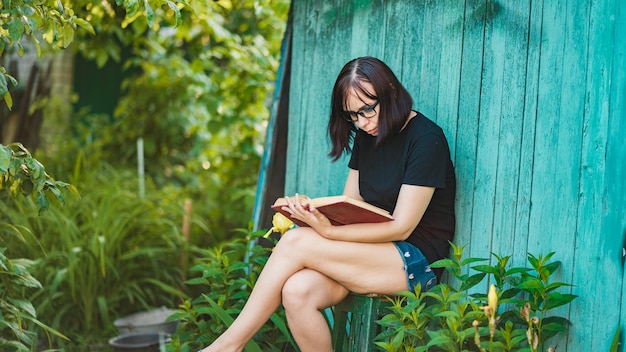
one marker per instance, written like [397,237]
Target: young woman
[400,161]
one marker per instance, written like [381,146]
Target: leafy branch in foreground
[20,173]
[18,316]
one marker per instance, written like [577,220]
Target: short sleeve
[427,161]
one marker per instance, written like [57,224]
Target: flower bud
[492,299]
[525,312]
[280,223]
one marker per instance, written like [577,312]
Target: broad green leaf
[553,286]
[42,202]
[5,158]
[514,271]
[468,261]
[552,267]
[443,263]
[85,25]
[282,326]
[556,299]
[449,314]
[16,29]
[472,281]
[68,36]
[24,306]
[4,88]
[530,284]
[174,8]
[8,100]
[439,340]
[50,35]
[554,327]
[485,269]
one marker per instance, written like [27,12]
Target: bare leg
[305,294]
[360,267]
[263,301]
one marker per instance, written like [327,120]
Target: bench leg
[355,325]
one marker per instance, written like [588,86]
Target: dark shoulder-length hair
[395,102]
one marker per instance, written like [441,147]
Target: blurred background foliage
[195,83]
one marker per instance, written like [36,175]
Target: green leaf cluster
[451,318]
[18,316]
[22,174]
[226,275]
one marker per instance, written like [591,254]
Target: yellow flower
[280,223]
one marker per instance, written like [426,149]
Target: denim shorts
[416,267]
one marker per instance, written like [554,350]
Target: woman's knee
[297,292]
[298,240]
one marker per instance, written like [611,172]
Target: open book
[340,210]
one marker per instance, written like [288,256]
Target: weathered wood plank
[304,19]
[616,150]
[335,173]
[413,54]
[312,126]
[394,35]
[447,108]
[598,241]
[488,132]
[430,46]
[529,113]
[376,33]
[512,23]
[360,43]
[467,132]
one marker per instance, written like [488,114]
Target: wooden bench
[354,321]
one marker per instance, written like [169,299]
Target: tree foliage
[198,78]
[57,23]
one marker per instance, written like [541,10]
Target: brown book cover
[340,210]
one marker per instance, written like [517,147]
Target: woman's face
[363,110]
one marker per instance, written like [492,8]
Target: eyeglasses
[367,112]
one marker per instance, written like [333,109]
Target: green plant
[514,316]
[17,314]
[22,174]
[107,255]
[227,275]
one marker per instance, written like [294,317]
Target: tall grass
[101,257]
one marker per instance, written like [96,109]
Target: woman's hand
[308,214]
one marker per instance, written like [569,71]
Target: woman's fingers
[295,208]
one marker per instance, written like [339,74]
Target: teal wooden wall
[531,96]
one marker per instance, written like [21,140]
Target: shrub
[18,316]
[513,317]
[99,258]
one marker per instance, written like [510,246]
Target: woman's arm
[351,189]
[410,207]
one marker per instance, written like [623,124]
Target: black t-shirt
[419,155]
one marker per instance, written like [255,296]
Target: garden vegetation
[198,83]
